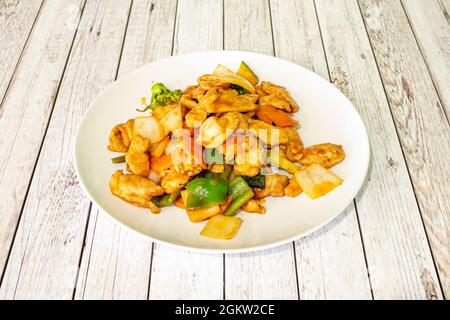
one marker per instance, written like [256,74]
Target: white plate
[326,115]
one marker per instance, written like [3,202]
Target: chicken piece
[281,92]
[293,189]
[209,81]
[208,99]
[294,148]
[135,190]
[275,184]
[137,156]
[120,137]
[275,101]
[246,170]
[198,92]
[172,181]
[195,118]
[217,168]
[253,206]
[227,102]
[229,91]
[189,167]
[260,91]
[251,97]
[249,151]
[325,154]
[234,121]
[267,133]
[189,89]
[187,101]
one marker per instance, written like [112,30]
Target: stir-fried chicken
[293,189]
[209,81]
[253,206]
[195,117]
[137,156]
[275,184]
[267,133]
[172,181]
[135,190]
[215,102]
[275,101]
[294,148]
[120,137]
[281,92]
[228,120]
[325,154]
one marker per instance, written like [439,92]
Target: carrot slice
[224,206]
[271,114]
[180,203]
[282,119]
[263,115]
[162,163]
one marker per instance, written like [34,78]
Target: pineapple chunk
[149,128]
[317,181]
[173,119]
[198,215]
[221,227]
[212,134]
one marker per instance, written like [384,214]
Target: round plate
[325,115]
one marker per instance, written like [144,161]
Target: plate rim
[184,247]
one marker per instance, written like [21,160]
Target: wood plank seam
[438,93]
[171,53]
[275,54]
[39,152]
[82,253]
[400,141]
[91,205]
[293,242]
[20,56]
[354,200]
[1,104]
[402,147]
[42,142]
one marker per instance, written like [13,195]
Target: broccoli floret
[162,96]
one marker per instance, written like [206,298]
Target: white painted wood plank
[175,273]
[16,21]
[421,124]
[394,239]
[267,274]
[116,265]
[430,21]
[26,108]
[45,255]
[330,262]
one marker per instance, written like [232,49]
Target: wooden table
[391,58]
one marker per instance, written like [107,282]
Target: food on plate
[218,148]
[316,180]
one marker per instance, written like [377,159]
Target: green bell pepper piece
[241,193]
[167,199]
[206,192]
